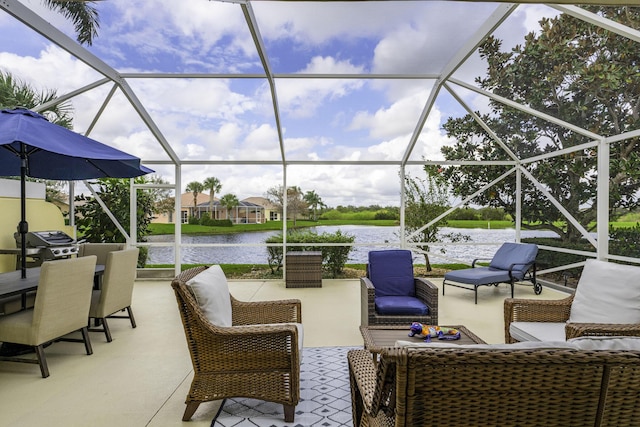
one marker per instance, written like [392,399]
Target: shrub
[193,220]
[334,258]
[463,214]
[385,214]
[548,259]
[204,218]
[622,241]
[492,214]
[209,222]
[142,256]
[625,241]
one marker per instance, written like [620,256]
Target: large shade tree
[295,202]
[574,71]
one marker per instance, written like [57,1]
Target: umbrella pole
[23,226]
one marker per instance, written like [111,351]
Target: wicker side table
[304,269]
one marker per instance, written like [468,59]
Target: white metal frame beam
[39,25]
[487,28]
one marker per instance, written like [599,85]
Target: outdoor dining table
[12,284]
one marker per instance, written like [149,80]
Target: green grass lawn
[262,271]
[156,229]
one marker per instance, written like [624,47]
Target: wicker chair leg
[190,410]
[289,413]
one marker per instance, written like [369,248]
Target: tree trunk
[427,263]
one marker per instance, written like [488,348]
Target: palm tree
[15,93]
[82,14]
[314,201]
[229,201]
[196,188]
[213,185]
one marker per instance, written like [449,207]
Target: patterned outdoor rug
[325,398]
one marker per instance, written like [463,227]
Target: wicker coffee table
[377,337]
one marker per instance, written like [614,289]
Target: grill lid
[45,238]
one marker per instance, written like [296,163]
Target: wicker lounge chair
[391,295]
[513,262]
[253,358]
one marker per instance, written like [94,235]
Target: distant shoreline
[190,229]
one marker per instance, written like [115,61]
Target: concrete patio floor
[142,377]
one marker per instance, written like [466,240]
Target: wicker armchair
[248,359]
[605,304]
[558,311]
[423,291]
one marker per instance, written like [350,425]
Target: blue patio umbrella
[32,146]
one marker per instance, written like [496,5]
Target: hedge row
[622,241]
[334,258]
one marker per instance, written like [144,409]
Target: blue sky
[232,118]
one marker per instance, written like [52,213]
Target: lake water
[483,244]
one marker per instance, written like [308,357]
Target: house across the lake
[252,210]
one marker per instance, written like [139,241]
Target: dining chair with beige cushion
[116,290]
[61,307]
[100,250]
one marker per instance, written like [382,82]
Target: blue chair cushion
[481,276]
[391,272]
[401,306]
[524,254]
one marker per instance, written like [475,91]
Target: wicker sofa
[502,385]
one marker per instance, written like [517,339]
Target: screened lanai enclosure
[530,107]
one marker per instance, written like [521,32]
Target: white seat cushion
[211,291]
[515,346]
[607,293]
[606,343]
[538,331]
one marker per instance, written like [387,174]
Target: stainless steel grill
[51,245]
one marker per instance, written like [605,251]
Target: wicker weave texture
[304,269]
[253,360]
[542,387]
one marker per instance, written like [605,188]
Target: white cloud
[302,97]
[213,119]
[399,118]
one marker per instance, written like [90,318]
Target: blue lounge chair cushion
[400,306]
[391,272]
[481,275]
[521,254]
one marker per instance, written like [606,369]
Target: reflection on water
[367,238]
